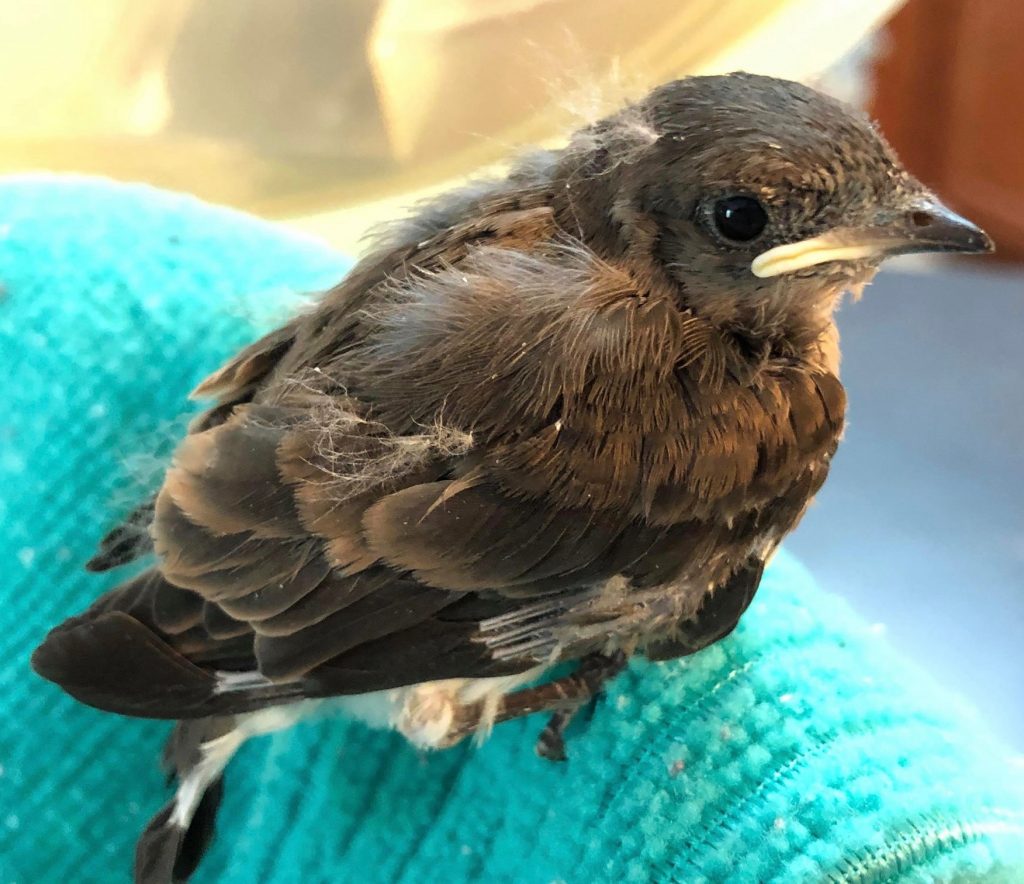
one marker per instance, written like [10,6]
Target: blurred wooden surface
[949,94]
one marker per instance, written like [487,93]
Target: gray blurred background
[921,522]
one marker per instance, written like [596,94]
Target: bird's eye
[739,218]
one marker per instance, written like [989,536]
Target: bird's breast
[676,456]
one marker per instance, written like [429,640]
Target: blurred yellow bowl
[335,115]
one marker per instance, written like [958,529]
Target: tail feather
[168,853]
[175,840]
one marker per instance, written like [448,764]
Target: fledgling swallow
[566,415]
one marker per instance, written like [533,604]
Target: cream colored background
[338,114]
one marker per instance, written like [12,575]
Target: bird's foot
[593,674]
[551,742]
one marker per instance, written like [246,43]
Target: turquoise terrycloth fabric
[800,749]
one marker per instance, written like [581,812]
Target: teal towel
[800,749]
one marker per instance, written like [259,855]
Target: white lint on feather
[604,115]
[380,457]
[359,454]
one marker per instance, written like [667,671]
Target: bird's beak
[925,226]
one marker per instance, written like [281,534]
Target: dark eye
[739,218]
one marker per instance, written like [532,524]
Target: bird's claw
[551,742]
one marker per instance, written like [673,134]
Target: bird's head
[751,193]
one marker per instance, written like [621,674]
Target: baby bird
[566,415]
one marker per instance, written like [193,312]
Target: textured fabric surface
[800,749]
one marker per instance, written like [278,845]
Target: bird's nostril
[921,219]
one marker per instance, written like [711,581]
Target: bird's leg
[564,696]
